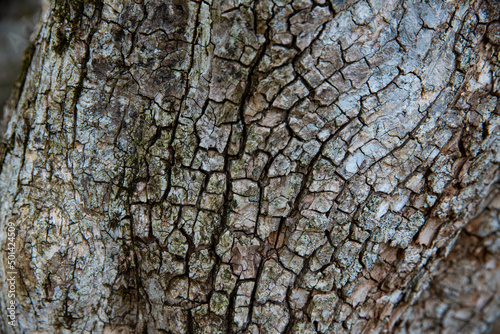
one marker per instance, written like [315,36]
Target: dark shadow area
[17,21]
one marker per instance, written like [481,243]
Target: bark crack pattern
[256,166]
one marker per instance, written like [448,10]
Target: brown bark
[255,167]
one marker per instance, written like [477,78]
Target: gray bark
[255,167]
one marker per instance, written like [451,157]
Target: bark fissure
[256,167]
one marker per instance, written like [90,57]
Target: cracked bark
[255,167]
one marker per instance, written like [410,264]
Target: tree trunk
[268,166]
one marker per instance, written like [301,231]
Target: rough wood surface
[239,166]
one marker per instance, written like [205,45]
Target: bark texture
[268,166]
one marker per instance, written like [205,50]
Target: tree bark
[268,166]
